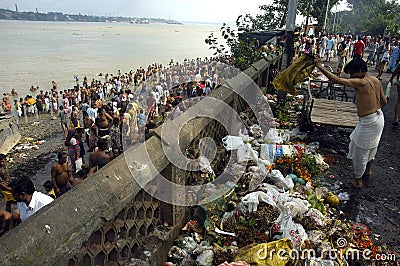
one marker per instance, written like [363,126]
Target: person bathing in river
[364,140]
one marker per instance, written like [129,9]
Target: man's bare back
[369,92]
[59,172]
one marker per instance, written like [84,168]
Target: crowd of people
[379,51]
[384,54]
[103,118]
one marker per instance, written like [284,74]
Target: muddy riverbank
[41,139]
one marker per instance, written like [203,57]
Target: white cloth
[38,201]
[364,141]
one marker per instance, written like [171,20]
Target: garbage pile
[21,150]
[279,212]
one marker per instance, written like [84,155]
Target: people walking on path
[358,49]
[396,118]
[383,55]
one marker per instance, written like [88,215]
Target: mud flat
[41,139]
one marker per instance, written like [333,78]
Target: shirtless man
[104,123]
[60,175]
[370,98]
[100,157]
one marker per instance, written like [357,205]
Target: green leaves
[372,16]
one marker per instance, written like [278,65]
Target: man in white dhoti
[370,98]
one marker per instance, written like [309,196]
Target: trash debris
[280,200]
[47,228]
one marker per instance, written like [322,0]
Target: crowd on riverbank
[102,122]
[382,52]
[104,118]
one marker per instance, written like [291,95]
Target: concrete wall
[9,133]
[108,218]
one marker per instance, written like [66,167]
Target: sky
[216,11]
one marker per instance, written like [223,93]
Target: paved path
[377,204]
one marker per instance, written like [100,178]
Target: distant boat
[174,22]
[139,21]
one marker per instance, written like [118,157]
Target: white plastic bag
[256,131]
[277,177]
[291,230]
[387,90]
[232,142]
[252,200]
[275,136]
[78,164]
[246,153]
[205,165]
[245,137]
[268,152]
[206,258]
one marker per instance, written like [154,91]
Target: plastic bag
[262,254]
[256,131]
[274,136]
[387,90]
[206,258]
[312,147]
[232,142]
[268,152]
[315,218]
[245,137]
[252,200]
[78,164]
[272,152]
[259,173]
[319,159]
[290,230]
[177,253]
[205,166]
[246,153]
[188,244]
[277,177]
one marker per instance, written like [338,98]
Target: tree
[245,52]
[318,11]
[372,16]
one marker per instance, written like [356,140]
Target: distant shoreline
[7,14]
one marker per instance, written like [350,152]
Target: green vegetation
[373,17]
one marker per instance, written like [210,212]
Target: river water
[36,53]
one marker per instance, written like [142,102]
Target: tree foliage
[244,51]
[374,17]
[318,10]
[371,16]
[273,17]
